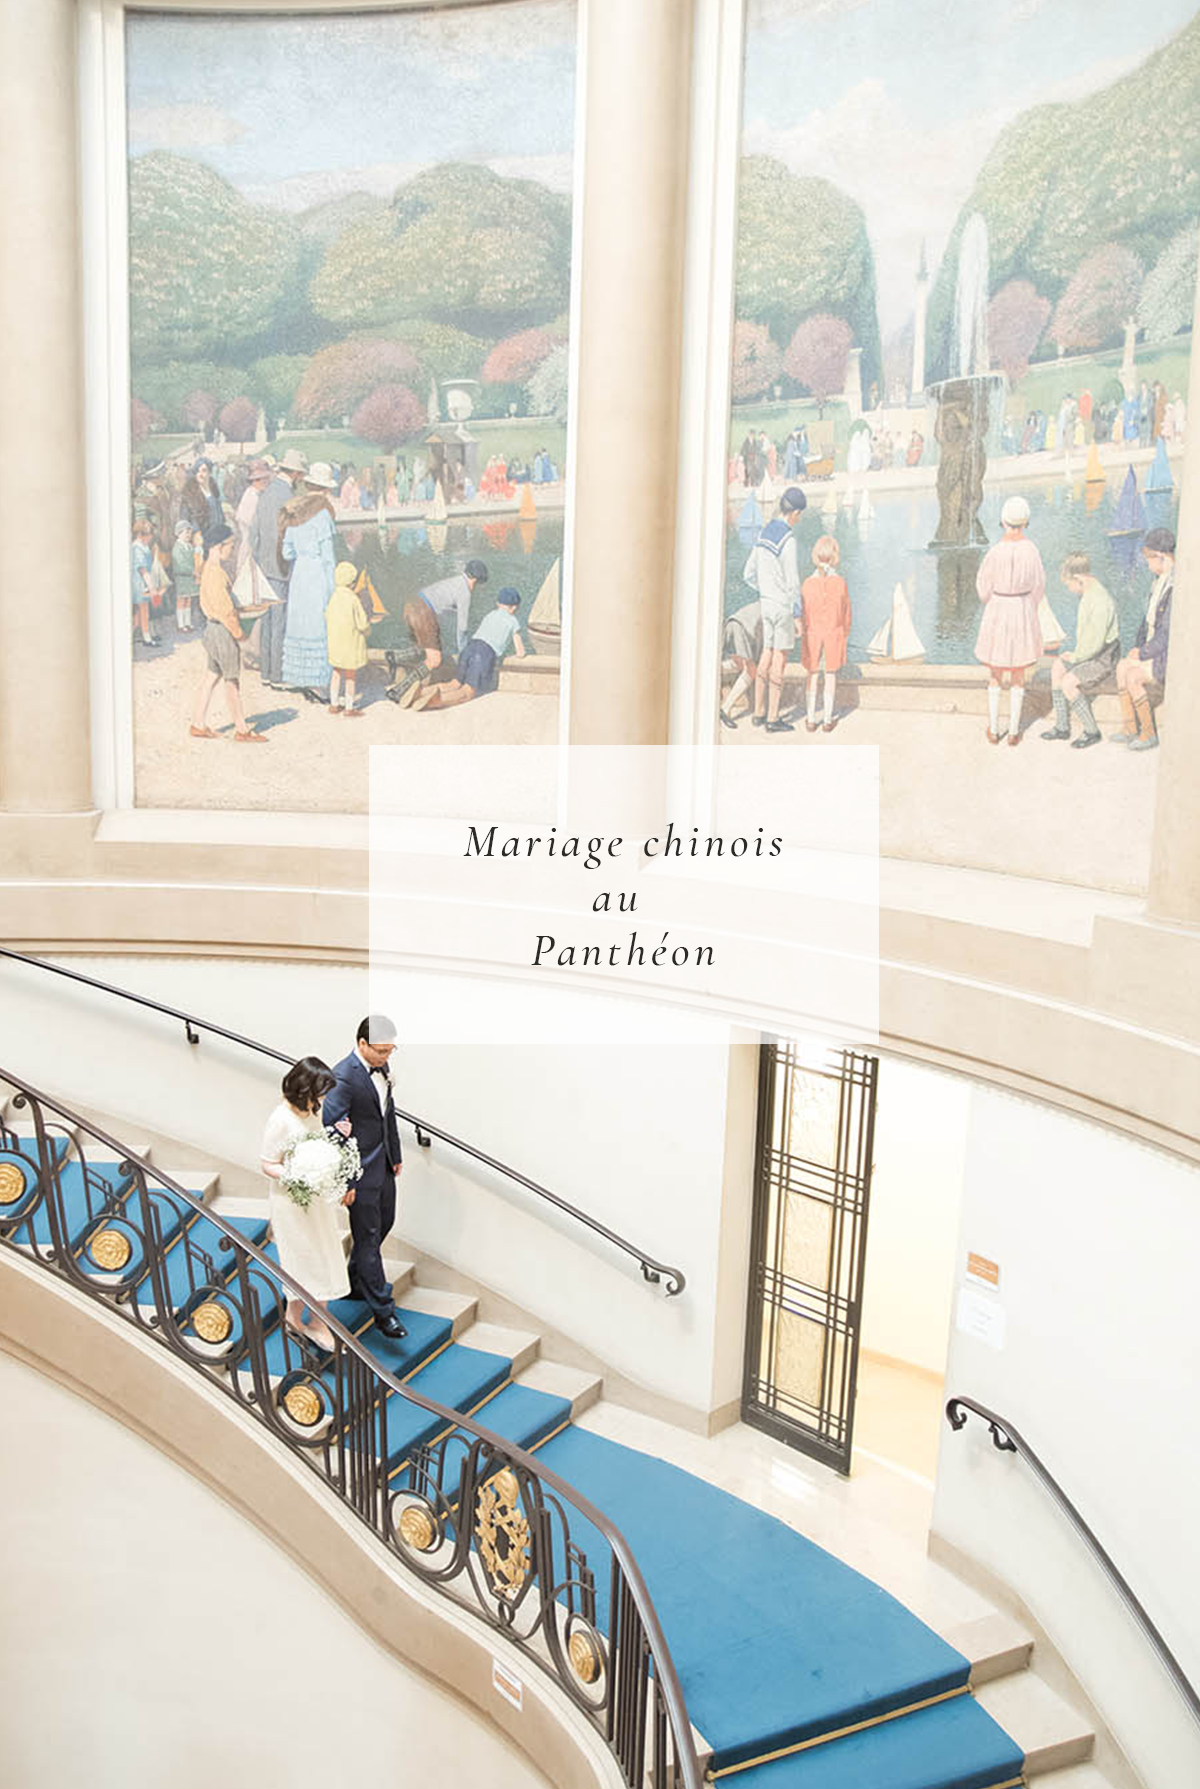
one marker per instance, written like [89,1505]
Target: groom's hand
[343,1125]
[396,1169]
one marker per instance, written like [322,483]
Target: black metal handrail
[499,1522]
[1010,1440]
[654,1271]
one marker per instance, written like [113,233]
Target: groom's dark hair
[376,1028]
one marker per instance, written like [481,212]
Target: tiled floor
[876,1521]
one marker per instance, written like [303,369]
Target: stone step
[576,1384]
[196,1182]
[518,1345]
[459,1307]
[1075,1776]
[995,1644]
[1048,1730]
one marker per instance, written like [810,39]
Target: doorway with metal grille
[816,1122]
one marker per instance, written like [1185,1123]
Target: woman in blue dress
[306,540]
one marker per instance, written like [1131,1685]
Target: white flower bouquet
[321,1166]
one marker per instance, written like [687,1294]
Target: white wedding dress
[309,1238]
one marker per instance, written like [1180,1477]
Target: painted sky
[294,110]
[899,101]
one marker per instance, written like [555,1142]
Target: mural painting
[349,277]
[966,270]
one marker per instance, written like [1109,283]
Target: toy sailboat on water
[544,626]
[437,509]
[1129,517]
[897,641]
[1053,634]
[751,514]
[1159,478]
[1094,475]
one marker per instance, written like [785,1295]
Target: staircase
[798,1672]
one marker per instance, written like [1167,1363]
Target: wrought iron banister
[654,1271]
[468,1511]
[1010,1440]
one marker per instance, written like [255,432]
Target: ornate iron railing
[1009,1440]
[654,1271]
[471,1514]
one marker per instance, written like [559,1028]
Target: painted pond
[891,548]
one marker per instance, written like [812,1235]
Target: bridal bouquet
[320,1166]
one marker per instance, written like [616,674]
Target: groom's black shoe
[390,1326]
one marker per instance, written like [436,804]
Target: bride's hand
[348,1196]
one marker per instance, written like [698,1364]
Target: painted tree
[757,361]
[548,389]
[1100,299]
[802,248]
[817,355]
[1169,294]
[207,270]
[1016,322]
[459,244]
[167,385]
[340,377]
[199,409]
[1062,179]
[143,420]
[274,382]
[515,360]
[389,415]
[238,419]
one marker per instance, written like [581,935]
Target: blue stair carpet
[91,1206]
[954,1745]
[195,1258]
[774,1640]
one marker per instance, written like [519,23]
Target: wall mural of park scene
[966,270]
[349,281]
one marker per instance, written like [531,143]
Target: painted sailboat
[437,509]
[1129,517]
[1159,477]
[1094,474]
[751,514]
[897,642]
[1053,634]
[364,586]
[544,626]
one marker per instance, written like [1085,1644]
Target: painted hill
[1121,165]
[803,248]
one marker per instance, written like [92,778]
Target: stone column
[44,747]
[626,397]
[1175,853]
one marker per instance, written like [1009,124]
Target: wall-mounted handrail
[1010,1440]
[353,1445]
[654,1271]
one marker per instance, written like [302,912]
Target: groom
[360,1105]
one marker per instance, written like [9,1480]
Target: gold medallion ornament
[503,1534]
[211,1321]
[417,1528]
[12,1183]
[302,1405]
[585,1656]
[110,1249]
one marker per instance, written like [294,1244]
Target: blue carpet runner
[799,1672]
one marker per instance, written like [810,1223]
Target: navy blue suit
[374,1209]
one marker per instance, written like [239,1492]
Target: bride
[308,1237]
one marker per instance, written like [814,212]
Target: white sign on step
[981,1316]
[506,1683]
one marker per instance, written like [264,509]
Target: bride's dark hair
[307,1082]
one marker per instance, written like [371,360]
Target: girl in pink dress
[1011,583]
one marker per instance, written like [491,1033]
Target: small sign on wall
[981,1316]
[506,1683]
[983,1271]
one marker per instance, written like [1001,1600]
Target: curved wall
[189,1643]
